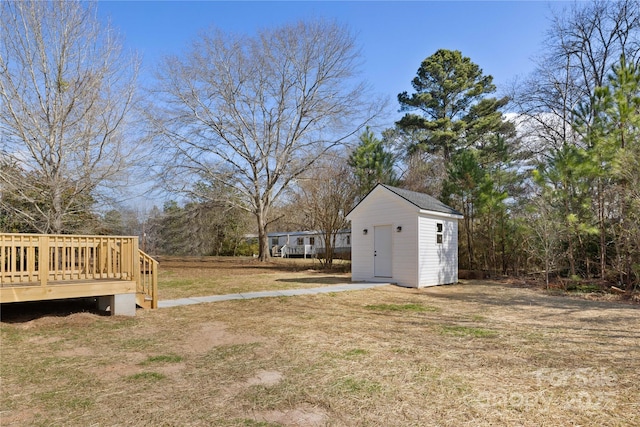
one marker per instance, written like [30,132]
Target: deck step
[144,301]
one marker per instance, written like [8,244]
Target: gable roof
[420,200]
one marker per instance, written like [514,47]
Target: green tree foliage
[372,163]
[465,177]
[566,190]
[462,128]
[29,209]
[589,188]
[499,234]
[199,229]
[451,97]
[609,166]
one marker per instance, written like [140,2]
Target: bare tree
[253,113]
[325,195]
[582,45]
[66,90]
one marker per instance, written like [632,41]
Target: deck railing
[147,282]
[42,259]
[298,250]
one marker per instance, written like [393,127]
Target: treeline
[546,172]
[553,187]
[199,229]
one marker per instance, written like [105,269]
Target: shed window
[439,232]
[348,239]
[300,241]
[274,241]
[312,241]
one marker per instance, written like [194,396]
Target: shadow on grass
[322,280]
[500,295]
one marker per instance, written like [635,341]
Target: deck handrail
[31,259]
[147,280]
[53,257]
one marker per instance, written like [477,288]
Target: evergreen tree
[451,95]
[462,128]
[371,163]
[610,165]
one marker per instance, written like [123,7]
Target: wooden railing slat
[36,258]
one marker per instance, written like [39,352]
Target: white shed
[404,237]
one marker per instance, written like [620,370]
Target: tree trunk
[570,228]
[603,232]
[263,239]
[329,244]
[546,268]
[469,223]
[503,249]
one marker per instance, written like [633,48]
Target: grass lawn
[189,277]
[472,354]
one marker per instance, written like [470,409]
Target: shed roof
[422,200]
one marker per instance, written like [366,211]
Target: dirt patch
[172,369]
[42,340]
[265,378]
[261,378]
[298,417]
[119,370]
[76,351]
[19,418]
[72,320]
[214,334]
[129,366]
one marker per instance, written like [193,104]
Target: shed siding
[417,257]
[449,269]
[383,208]
[437,263]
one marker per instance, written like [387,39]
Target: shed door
[382,251]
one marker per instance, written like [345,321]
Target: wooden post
[154,303]
[135,263]
[31,260]
[43,260]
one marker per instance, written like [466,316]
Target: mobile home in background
[308,244]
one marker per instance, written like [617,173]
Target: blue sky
[501,36]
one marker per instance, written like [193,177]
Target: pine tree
[371,163]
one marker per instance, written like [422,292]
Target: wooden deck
[37,267]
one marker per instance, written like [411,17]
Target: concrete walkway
[267,294]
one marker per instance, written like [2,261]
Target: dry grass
[475,354]
[187,277]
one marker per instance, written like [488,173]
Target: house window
[300,241]
[312,241]
[348,239]
[274,241]
[439,233]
